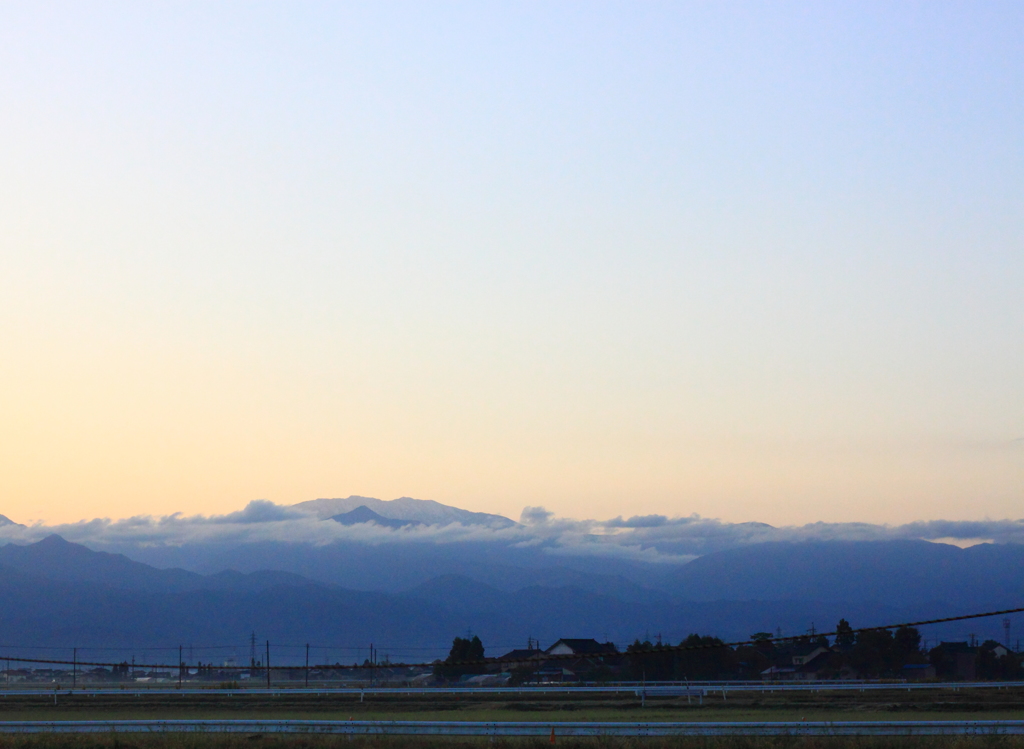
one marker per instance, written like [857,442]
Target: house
[806,657]
[999,650]
[964,659]
[554,675]
[521,658]
[776,673]
[818,664]
[806,661]
[918,672]
[485,680]
[570,659]
[583,647]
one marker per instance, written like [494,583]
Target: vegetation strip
[483,661]
[475,728]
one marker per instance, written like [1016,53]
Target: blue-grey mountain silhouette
[56,593]
[364,514]
[425,511]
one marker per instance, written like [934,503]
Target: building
[805,661]
[582,647]
[918,672]
[521,658]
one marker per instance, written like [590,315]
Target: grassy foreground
[208,741]
[976,704]
[490,714]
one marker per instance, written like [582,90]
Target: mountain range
[58,594]
[364,514]
[425,511]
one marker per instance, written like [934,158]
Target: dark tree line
[455,665]
[872,653]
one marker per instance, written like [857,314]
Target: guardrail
[704,689]
[654,691]
[476,728]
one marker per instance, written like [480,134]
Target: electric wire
[654,649]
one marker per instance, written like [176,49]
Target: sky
[755,261]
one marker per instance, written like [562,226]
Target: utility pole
[180,669]
[1006,631]
[74,668]
[252,650]
[307,665]
[268,664]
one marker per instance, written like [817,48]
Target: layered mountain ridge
[59,594]
[425,511]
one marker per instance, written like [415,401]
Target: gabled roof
[522,654]
[815,663]
[588,646]
[810,655]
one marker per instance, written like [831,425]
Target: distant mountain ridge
[425,511]
[364,514]
[58,594]
[54,592]
[53,558]
[891,572]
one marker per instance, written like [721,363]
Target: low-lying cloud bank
[648,538]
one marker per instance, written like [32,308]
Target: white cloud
[654,538]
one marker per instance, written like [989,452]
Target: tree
[845,636]
[751,660]
[455,665]
[702,657]
[649,662]
[872,651]
[708,658]
[907,643]
[990,666]
[465,649]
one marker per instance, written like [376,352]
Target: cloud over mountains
[542,576]
[648,538]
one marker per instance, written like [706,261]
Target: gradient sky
[758,261]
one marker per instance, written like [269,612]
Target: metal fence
[652,690]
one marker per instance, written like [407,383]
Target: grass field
[821,706]
[209,741]
[795,706]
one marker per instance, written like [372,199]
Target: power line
[484,661]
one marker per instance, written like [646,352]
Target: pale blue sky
[760,261]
